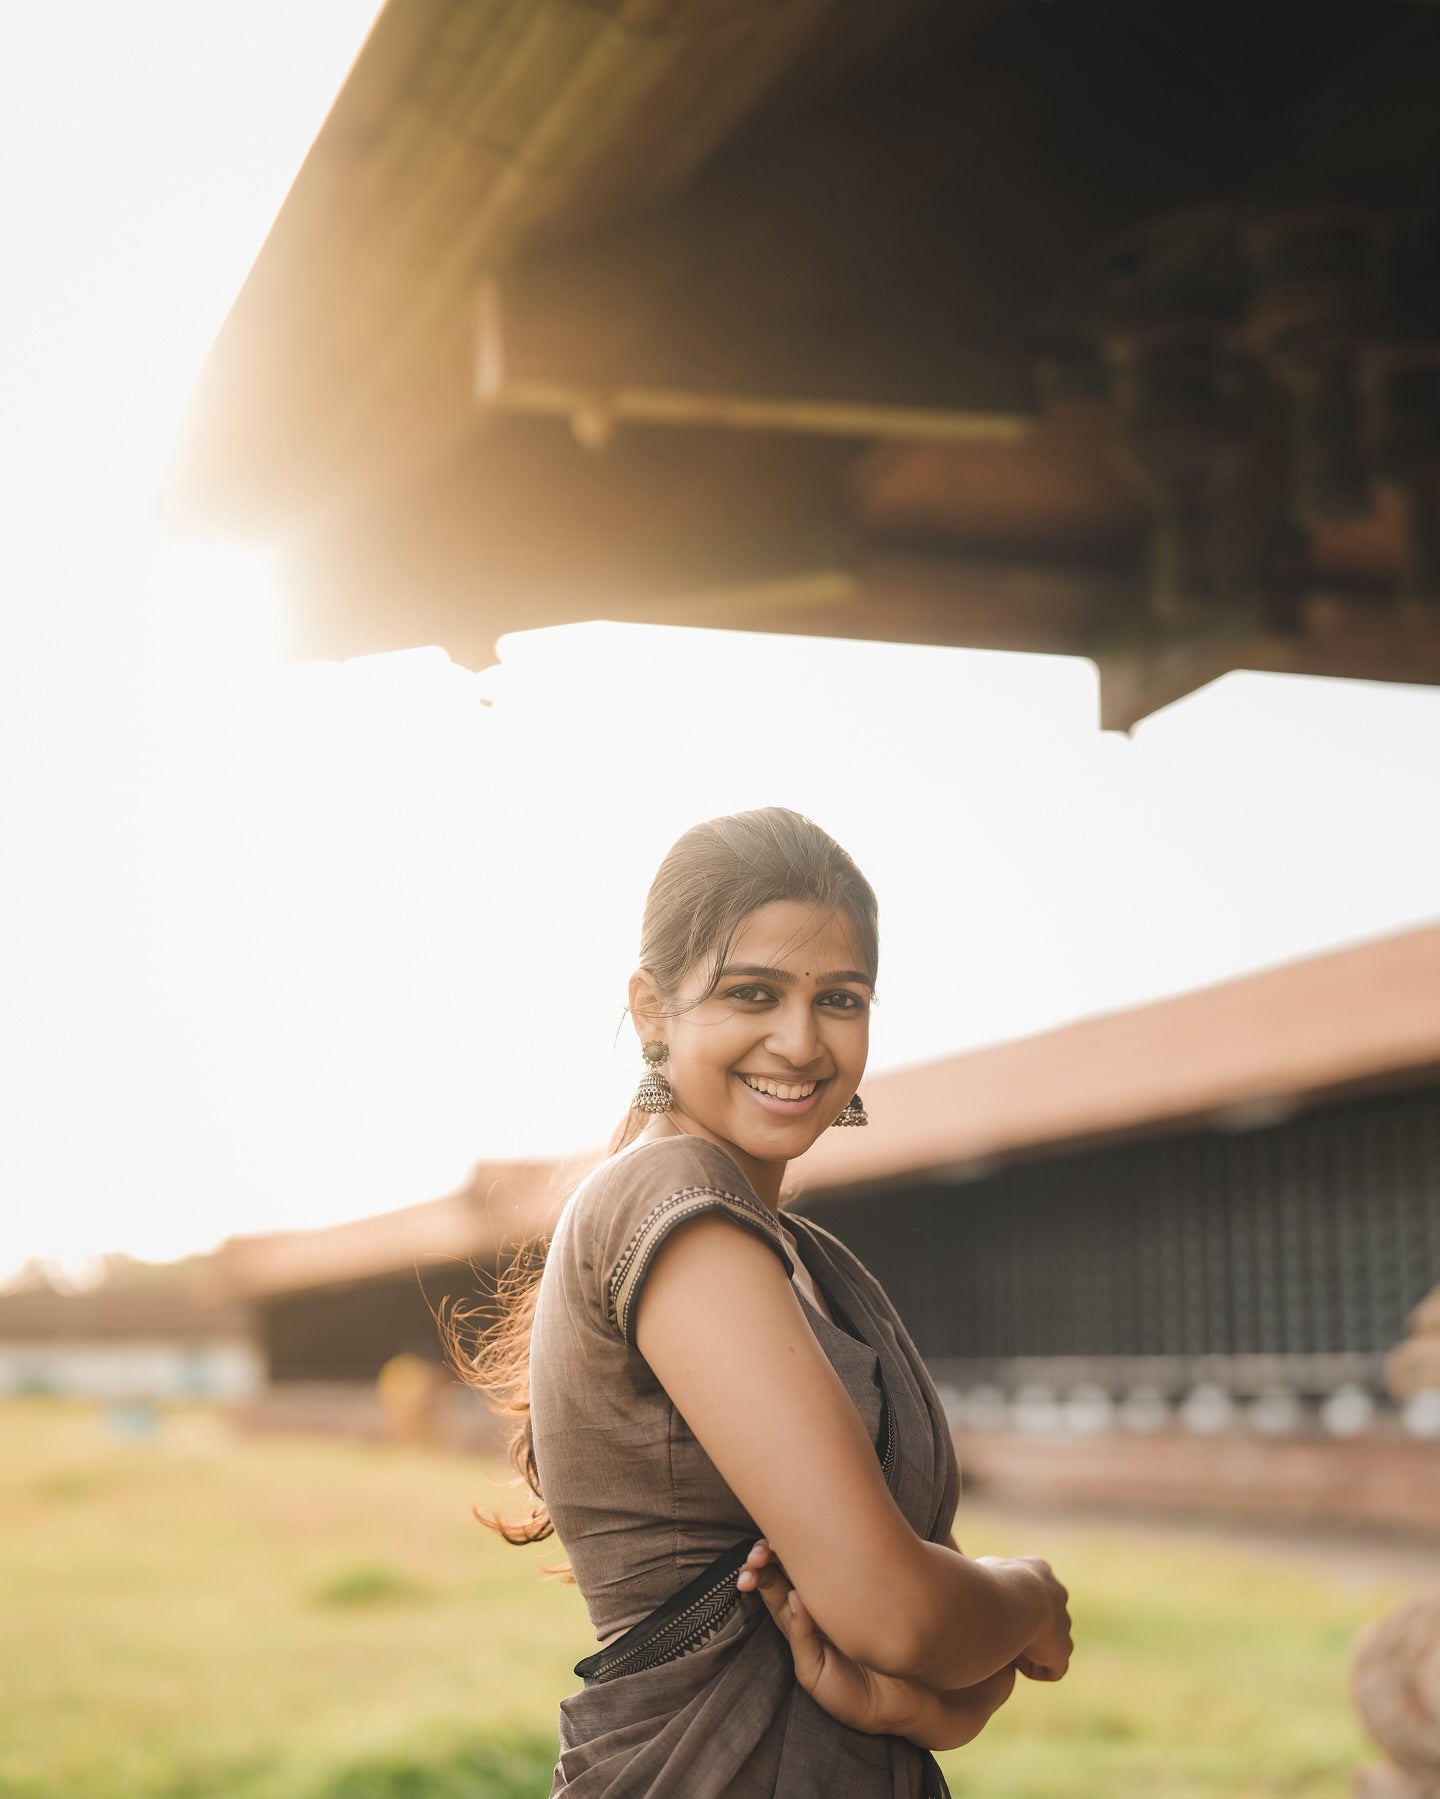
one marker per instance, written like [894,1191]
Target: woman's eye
[839,1001]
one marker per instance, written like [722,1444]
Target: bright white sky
[281,946]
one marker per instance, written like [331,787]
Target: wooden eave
[467,131]
[694,214]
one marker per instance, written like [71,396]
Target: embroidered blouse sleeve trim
[633,1263]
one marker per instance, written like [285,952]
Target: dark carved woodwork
[1205,242]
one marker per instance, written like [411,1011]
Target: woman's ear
[646,1010]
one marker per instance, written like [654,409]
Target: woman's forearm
[875,1694]
[950,1720]
[967,1620]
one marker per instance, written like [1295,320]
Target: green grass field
[195,1617]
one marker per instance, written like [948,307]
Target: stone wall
[1387,1481]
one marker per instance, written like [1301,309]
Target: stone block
[1395,1680]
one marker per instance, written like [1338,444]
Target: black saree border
[684,1620]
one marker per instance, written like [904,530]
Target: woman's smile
[790,1098]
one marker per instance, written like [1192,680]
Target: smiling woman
[691,1370]
[763,1045]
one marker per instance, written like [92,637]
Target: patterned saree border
[634,1260]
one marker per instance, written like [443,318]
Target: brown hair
[709,883]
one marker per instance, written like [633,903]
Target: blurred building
[1154,1257]
[334,1306]
[159,1342]
[1159,1256]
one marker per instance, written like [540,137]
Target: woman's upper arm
[719,1324]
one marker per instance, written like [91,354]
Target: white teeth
[776,1091]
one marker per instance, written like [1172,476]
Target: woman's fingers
[1033,1670]
[759,1558]
[763,1574]
[807,1646]
[776,1594]
[803,1628]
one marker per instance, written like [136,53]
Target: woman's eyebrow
[785,978]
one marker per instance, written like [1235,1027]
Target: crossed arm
[890,1628]
[880,1704]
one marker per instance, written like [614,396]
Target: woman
[702,1368]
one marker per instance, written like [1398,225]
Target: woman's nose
[795,1035]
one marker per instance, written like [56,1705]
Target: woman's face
[771,1056]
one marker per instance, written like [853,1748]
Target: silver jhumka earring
[854,1113]
[654,1094]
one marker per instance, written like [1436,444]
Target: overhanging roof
[619,308]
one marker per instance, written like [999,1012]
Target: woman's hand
[1047,1655]
[878,1704]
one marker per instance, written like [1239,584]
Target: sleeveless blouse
[699,1698]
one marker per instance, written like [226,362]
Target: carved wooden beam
[963,602]
[596,392]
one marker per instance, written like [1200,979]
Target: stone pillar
[1396,1674]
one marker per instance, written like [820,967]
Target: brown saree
[697,1699]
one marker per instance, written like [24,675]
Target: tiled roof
[1243,1051]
